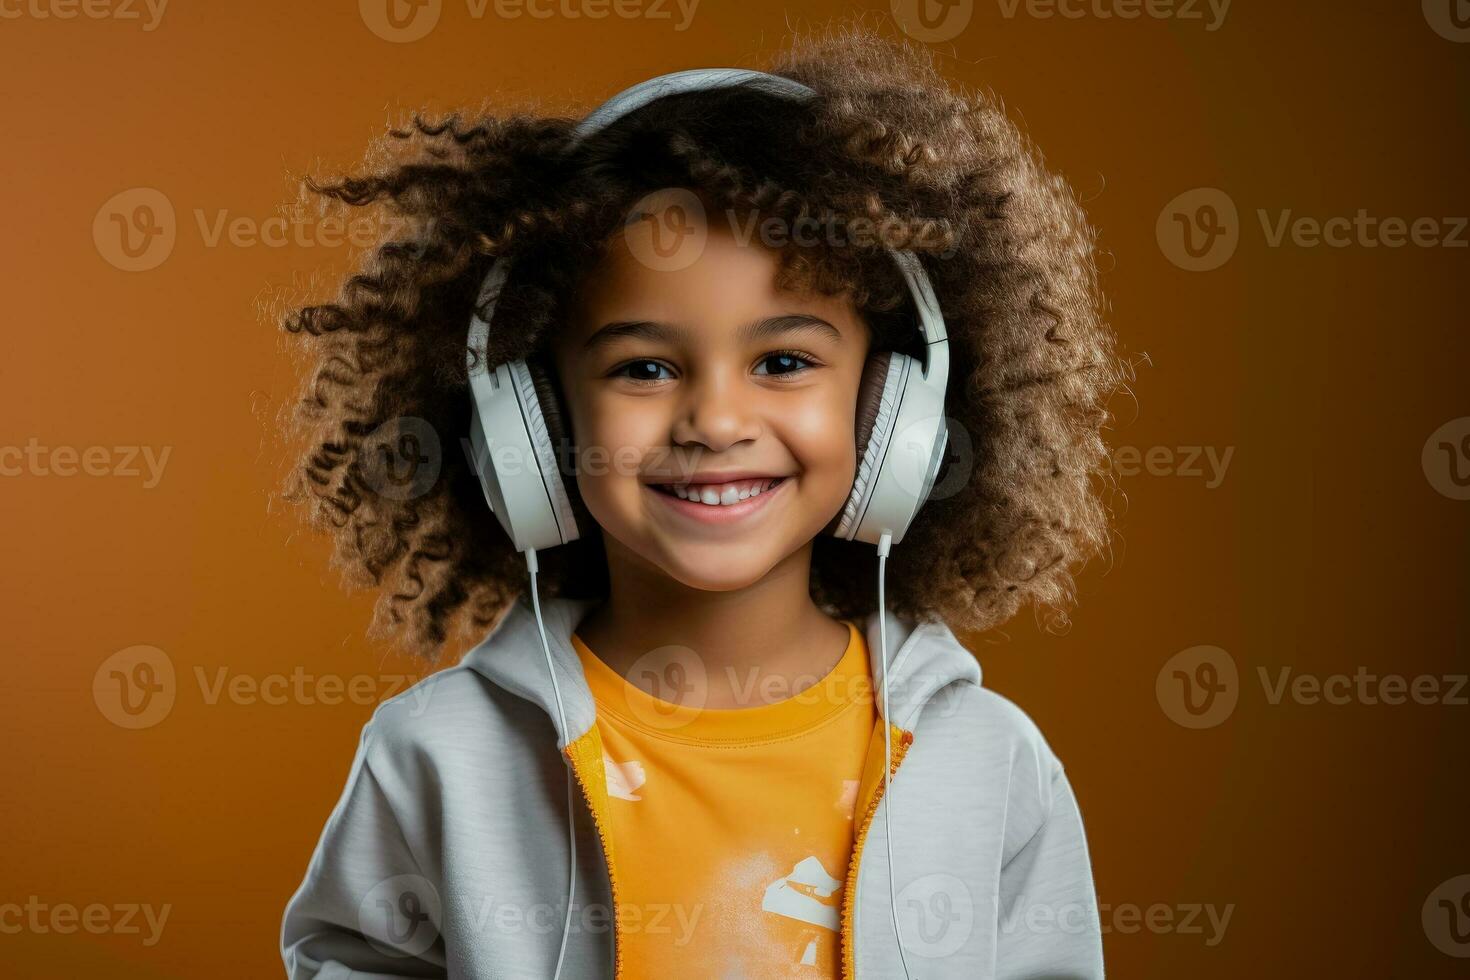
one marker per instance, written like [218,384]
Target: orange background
[1326,547]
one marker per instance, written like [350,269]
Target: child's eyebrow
[653,330]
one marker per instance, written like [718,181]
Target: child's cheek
[818,432]
[618,441]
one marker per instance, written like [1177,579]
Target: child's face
[696,393]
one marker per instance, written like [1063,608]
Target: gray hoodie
[447,853]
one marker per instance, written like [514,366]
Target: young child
[704,352]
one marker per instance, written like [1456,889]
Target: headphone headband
[931,321]
[676,83]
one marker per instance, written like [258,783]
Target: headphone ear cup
[559,438]
[877,397]
[870,399]
[550,401]
[556,518]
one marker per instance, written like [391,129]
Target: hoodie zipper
[590,745]
[849,893]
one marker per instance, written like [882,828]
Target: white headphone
[517,428]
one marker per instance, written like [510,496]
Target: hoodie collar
[925,657]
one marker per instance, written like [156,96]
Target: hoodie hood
[926,657]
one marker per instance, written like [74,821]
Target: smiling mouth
[719,495]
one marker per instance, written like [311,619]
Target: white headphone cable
[885,542]
[532,567]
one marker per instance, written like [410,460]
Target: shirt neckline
[846,683]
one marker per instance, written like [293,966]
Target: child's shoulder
[957,705]
[997,725]
[1001,752]
[454,710]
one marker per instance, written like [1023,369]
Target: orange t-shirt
[732,828]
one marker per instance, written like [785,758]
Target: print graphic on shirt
[754,943]
[623,777]
[848,800]
[809,953]
[807,893]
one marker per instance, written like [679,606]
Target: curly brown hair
[886,141]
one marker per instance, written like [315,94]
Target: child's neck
[764,643]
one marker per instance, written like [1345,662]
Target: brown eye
[786,362]
[642,370]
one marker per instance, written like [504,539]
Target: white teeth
[721,496]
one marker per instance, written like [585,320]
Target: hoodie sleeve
[1050,925]
[365,909]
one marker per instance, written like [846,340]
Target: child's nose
[718,412]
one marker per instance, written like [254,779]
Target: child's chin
[712,568]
